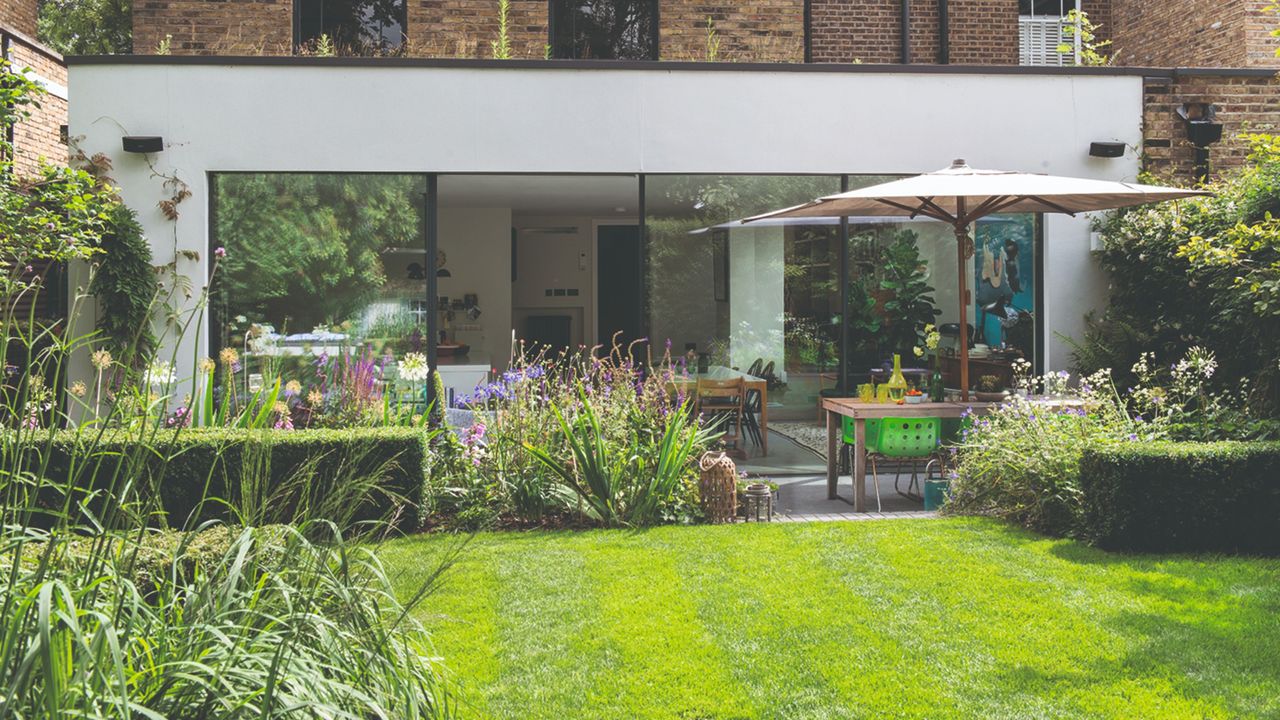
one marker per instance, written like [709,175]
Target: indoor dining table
[687,382]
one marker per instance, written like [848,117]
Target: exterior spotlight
[1106,149]
[143,143]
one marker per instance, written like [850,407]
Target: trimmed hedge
[299,467]
[1183,497]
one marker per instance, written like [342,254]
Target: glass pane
[761,297]
[1046,8]
[317,265]
[355,27]
[905,275]
[604,29]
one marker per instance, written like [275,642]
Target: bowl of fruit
[914,397]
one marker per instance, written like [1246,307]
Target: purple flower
[220,252]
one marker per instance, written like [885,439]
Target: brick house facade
[1195,33]
[39,136]
[980,31]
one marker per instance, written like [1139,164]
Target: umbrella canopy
[960,195]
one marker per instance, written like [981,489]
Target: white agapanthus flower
[160,374]
[414,368]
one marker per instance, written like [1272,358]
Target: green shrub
[1021,461]
[1203,271]
[1183,497]
[256,477]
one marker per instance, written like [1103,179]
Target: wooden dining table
[860,412]
[688,384]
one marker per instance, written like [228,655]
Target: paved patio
[802,486]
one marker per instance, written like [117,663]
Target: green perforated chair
[911,439]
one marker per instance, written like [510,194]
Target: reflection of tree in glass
[682,304]
[605,29]
[305,250]
[356,27]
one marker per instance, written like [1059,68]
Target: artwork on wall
[1004,281]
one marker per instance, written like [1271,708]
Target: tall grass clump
[110,609]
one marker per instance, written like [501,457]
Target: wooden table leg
[833,453]
[764,420]
[859,465]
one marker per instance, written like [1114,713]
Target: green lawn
[900,618]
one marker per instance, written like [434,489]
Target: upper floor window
[353,27]
[604,29]
[1046,8]
[1041,33]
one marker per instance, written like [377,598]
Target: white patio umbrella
[960,195]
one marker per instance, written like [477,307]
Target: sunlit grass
[949,618]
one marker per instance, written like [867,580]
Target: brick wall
[19,15]
[40,136]
[982,32]
[747,30]
[465,28]
[1246,103]
[214,27]
[1260,45]
[1186,33]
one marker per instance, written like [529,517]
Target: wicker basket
[718,487]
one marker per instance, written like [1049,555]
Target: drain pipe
[944,33]
[906,32]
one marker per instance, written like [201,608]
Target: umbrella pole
[962,256]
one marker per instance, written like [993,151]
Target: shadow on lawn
[1214,630]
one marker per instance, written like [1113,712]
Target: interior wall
[477,246]
[756,301]
[560,261]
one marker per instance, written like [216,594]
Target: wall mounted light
[1106,149]
[1203,130]
[143,143]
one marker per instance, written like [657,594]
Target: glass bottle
[897,383]
[937,388]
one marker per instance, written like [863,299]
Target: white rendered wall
[223,116]
[477,246]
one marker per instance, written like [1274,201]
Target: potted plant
[990,389]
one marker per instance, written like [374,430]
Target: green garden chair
[909,439]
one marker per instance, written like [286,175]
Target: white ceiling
[544,194]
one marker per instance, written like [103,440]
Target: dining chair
[723,402]
[905,440]
[756,367]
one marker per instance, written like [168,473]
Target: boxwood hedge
[1183,497]
[343,475]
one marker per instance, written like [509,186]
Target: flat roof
[661,65]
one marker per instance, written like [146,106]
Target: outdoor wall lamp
[1202,131]
[143,143]
[1106,149]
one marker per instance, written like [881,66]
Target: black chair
[750,417]
[755,368]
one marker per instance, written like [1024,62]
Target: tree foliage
[306,249]
[55,217]
[87,27]
[1204,271]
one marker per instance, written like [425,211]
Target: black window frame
[656,33]
[298,40]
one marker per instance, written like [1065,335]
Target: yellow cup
[867,392]
[882,393]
